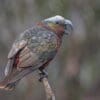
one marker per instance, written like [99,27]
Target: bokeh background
[75,72]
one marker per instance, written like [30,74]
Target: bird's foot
[43,74]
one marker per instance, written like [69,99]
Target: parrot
[34,49]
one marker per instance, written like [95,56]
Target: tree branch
[49,93]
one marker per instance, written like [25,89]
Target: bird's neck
[57,31]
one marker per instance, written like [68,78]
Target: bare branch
[49,93]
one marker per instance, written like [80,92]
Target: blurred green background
[74,73]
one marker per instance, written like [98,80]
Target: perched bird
[34,49]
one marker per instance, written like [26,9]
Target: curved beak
[68,27]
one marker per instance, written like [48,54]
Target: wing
[40,48]
[27,58]
[17,46]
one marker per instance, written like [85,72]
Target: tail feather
[10,86]
[10,81]
[7,85]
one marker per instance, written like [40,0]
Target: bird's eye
[57,23]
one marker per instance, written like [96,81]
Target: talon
[43,74]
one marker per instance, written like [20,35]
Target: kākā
[34,49]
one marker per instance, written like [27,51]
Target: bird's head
[59,24]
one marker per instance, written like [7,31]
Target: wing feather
[17,46]
[8,67]
[27,58]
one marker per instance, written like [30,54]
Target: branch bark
[49,93]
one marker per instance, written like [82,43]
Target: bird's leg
[43,74]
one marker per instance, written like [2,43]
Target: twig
[49,93]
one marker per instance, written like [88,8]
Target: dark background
[75,72]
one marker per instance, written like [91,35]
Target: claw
[43,74]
